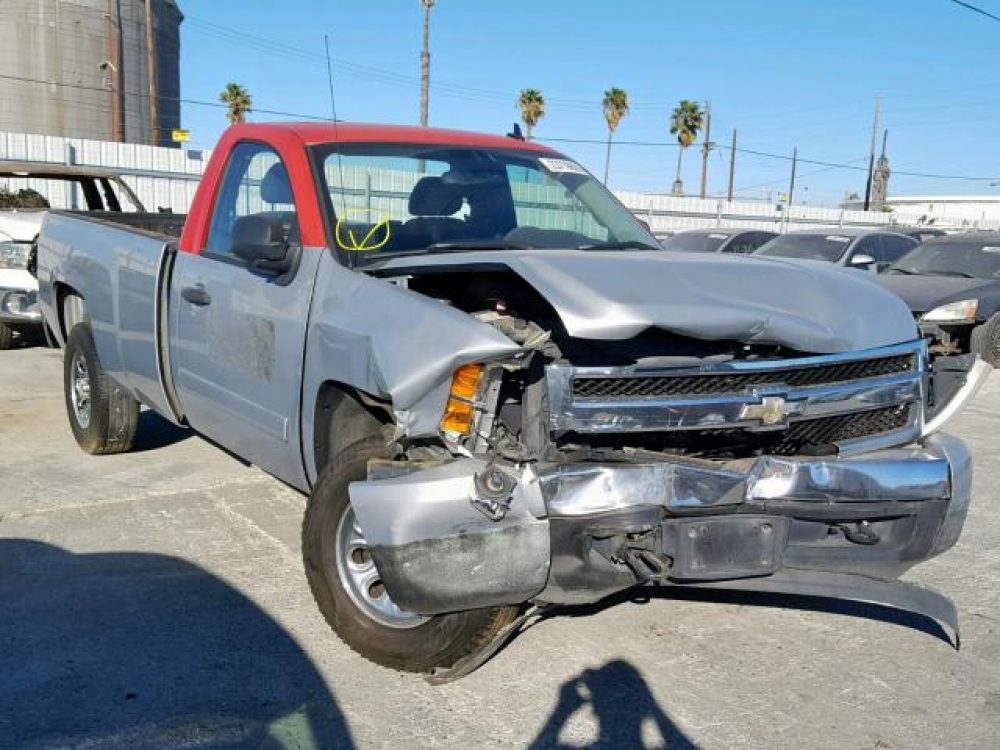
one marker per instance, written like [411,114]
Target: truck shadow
[156,432]
[625,710]
[802,603]
[129,649]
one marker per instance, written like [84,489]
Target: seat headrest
[276,187]
[432,196]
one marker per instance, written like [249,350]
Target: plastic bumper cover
[574,533]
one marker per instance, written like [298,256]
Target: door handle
[196,295]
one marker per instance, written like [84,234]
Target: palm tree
[425,63]
[685,123]
[532,105]
[615,106]
[238,100]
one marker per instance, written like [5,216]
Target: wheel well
[79,312]
[344,416]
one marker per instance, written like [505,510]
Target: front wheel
[103,417]
[985,340]
[351,595]
[6,336]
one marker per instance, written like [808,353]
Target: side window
[255,183]
[896,247]
[741,244]
[869,246]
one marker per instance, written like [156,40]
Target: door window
[255,184]
[895,247]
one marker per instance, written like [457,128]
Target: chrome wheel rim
[361,580]
[80,384]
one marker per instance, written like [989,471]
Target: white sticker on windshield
[837,238]
[562,166]
[991,249]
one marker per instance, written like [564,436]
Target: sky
[786,74]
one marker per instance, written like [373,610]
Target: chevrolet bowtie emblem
[770,411]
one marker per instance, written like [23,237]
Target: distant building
[949,211]
[81,69]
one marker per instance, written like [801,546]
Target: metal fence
[167,178]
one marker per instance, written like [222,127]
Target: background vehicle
[920,234]
[952,286]
[858,248]
[100,191]
[434,362]
[719,240]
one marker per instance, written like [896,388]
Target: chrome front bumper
[573,533]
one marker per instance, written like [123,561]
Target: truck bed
[118,263]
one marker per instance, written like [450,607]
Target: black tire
[6,337]
[985,340]
[440,641]
[112,414]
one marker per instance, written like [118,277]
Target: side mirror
[866,262]
[261,242]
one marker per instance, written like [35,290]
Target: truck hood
[20,226]
[924,293]
[807,306]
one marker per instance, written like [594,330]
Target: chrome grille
[843,427]
[814,401]
[719,383]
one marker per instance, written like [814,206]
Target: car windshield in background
[828,247]
[980,260]
[406,198]
[696,242]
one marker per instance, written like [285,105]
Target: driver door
[238,333]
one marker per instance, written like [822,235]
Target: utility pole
[706,147]
[791,188]
[871,152]
[154,118]
[425,63]
[732,166]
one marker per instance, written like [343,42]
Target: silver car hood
[804,305]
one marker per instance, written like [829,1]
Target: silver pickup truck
[501,396]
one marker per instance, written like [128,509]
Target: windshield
[950,258]
[696,242]
[406,198]
[828,247]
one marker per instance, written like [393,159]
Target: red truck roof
[290,140]
[311,133]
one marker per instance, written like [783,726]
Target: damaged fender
[390,343]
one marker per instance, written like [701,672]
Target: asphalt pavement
[156,599]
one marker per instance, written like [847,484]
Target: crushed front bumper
[574,533]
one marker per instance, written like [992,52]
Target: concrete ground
[156,599]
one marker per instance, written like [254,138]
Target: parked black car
[952,285]
[870,249]
[921,234]
[718,240]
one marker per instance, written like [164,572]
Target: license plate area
[720,547]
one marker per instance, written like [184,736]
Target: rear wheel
[103,417]
[985,340]
[351,595]
[6,336]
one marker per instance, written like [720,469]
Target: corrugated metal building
[80,69]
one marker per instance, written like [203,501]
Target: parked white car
[86,188]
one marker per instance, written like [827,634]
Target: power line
[974,9]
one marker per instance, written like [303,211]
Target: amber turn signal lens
[465,382]
[457,417]
[459,412]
